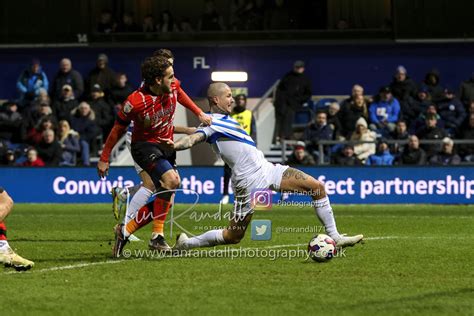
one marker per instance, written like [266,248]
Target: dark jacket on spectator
[432,134]
[445,159]
[341,160]
[104,77]
[308,160]
[467,91]
[413,157]
[86,127]
[452,112]
[72,78]
[293,90]
[412,108]
[10,125]
[50,153]
[118,95]
[314,133]
[62,108]
[71,148]
[435,90]
[402,90]
[104,116]
[467,132]
[348,115]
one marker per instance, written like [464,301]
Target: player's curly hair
[163,52]
[154,67]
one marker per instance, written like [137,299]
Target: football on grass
[322,248]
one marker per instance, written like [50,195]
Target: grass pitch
[416,260]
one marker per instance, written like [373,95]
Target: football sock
[143,217]
[134,189]
[3,231]
[138,200]
[161,207]
[208,239]
[326,216]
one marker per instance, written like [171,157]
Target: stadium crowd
[63,121]
[401,110]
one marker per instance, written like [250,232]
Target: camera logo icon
[261,199]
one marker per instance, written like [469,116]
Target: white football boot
[348,241]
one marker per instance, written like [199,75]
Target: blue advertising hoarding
[374,185]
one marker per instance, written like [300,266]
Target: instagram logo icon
[261,199]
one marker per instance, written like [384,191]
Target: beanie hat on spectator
[401,69]
[298,64]
[67,87]
[96,88]
[361,121]
[103,57]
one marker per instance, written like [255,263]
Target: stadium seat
[322,104]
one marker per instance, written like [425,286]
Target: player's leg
[7,256]
[296,181]
[225,193]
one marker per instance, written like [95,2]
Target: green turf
[424,266]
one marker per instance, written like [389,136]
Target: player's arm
[124,117]
[189,141]
[186,101]
[184,130]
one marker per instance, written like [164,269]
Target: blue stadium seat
[322,104]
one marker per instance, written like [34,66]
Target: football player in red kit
[7,256]
[151,108]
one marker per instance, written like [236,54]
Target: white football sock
[326,216]
[208,239]
[4,246]
[131,190]
[138,201]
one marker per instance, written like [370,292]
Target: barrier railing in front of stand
[322,143]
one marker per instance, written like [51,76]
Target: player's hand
[205,119]
[102,169]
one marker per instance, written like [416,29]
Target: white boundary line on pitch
[84,265]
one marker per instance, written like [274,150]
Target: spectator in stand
[357,90]
[333,119]
[8,159]
[446,156]
[351,111]
[318,130]
[120,92]
[148,25]
[467,133]
[104,116]
[69,141]
[65,104]
[431,132]
[421,120]
[49,149]
[432,82]
[452,111]
[346,157]
[384,112]
[128,25]
[402,86]
[293,90]
[34,116]
[30,81]
[466,93]
[36,134]
[83,122]
[10,123]
[412,109]
[412,154]
[211,20]
[67,76]
[362,133]
[400,133]
[101,75]
[166,23]
[382,156]
[300,157]
[106,22]
[32,159]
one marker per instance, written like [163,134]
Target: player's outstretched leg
[232,234]
[7,256]
[296,181]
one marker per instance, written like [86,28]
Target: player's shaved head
[216,89]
